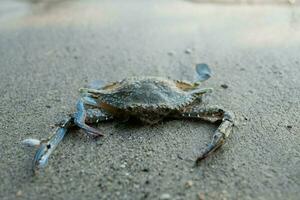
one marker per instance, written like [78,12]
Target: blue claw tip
[40,160]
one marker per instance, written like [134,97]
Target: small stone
[148,153]
[48,106]
[123,166]
[179,157]
[289,126]
[189,184]
[224,86]
[19,193]
[171,53]
[165,196]
[201,196]
[188,51]
[145,170]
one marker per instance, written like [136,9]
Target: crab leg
[46,147]
[213,114]
[80,117]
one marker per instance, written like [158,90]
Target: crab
[147,99]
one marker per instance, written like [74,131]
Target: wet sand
[49,50]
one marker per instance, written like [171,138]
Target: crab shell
[146,98]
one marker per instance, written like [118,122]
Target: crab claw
[45,149]
[79,120]
[40,159]
[217,141]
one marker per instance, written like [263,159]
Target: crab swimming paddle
[203,71]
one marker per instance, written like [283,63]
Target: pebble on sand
[123,165]
[171,53]
[224,86]
[289,126]
[189,184]
[19,193]
[165,196]
[188,51]
[201,196]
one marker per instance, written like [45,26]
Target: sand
[49,50]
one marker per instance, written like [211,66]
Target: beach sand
[48,50]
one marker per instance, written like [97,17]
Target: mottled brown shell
[147,93]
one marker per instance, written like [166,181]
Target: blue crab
[148,99]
